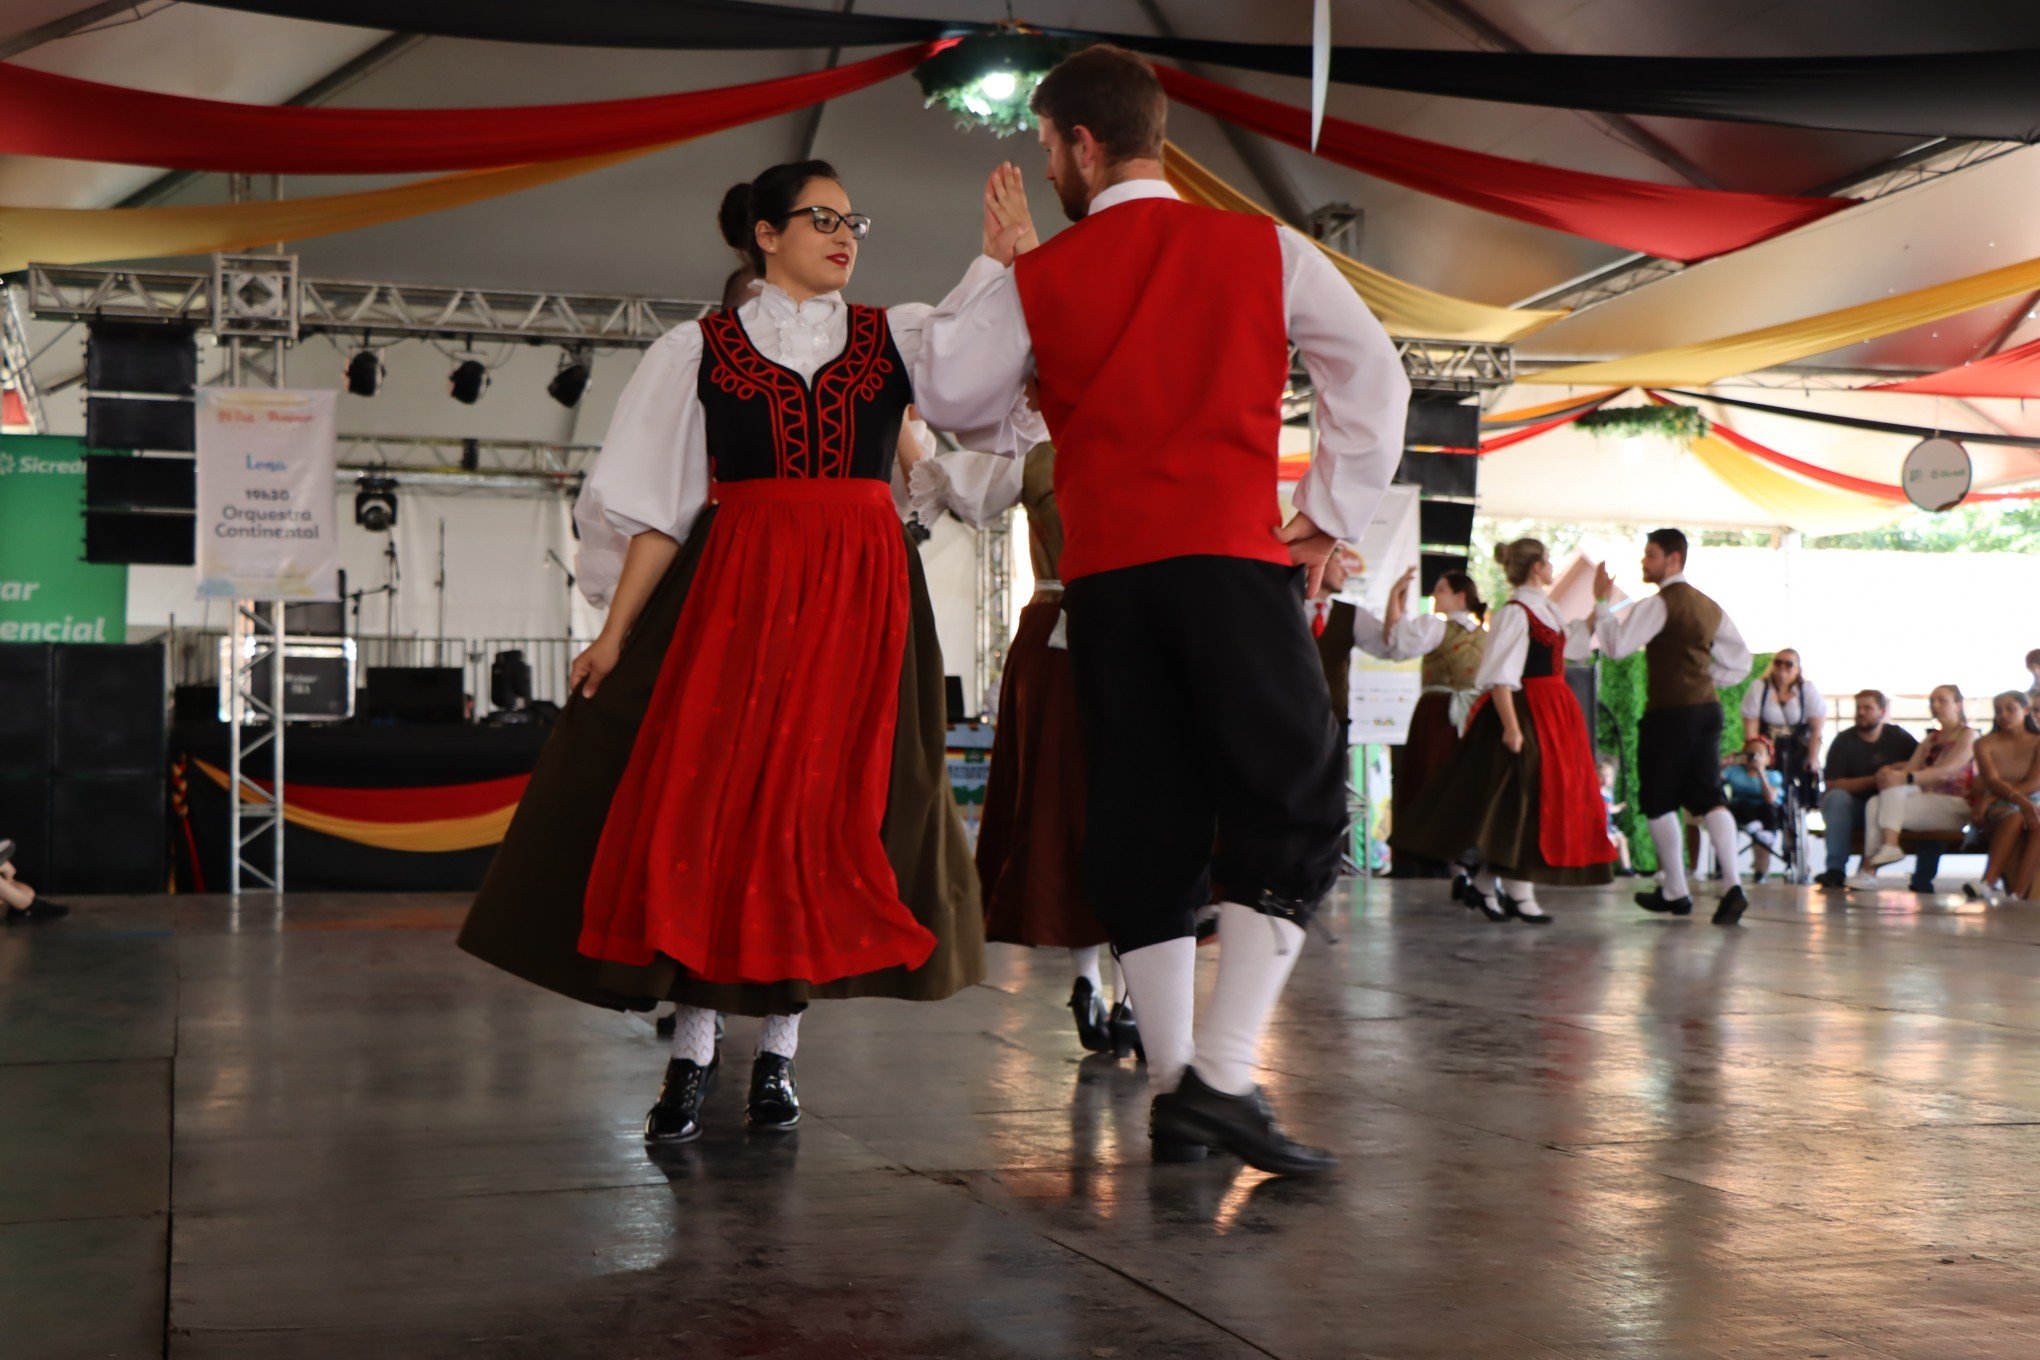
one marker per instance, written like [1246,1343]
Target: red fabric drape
[50,115]
[1674,222]
[2015,373]
[13,410]
[417,803]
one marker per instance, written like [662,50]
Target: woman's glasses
[826,220]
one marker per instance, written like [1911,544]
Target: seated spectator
[1756,797]
[22,903]
[1851,774]
[1787,708]
[2007,775]
[1929,793]
[1608,768]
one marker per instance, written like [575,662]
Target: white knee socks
[1720,826]
[1163,982]
[1522,890]
[1085,963]
[1671,855]
[694,1034]
[779,1034]
[1255,955]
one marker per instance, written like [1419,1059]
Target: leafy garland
[1681,424]
[955,76]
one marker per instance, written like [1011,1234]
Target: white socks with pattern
[779,1034]
[694,1035]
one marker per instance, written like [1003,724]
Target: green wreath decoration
[1680,424]
[987,78]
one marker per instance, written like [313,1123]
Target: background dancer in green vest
[1692,648]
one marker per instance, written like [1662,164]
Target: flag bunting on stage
[1672,221]
[1984,96]
[52,115]
[1767,347]
[2014,373]
[1404,308]
[428,820]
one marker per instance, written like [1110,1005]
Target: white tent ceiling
[647,227]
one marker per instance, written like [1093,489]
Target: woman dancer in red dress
[1521,789]
[745,807]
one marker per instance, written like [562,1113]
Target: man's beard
[1069,191]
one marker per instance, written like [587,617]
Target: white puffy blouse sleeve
[1011,432]
[1508,649]
[652,474]
[975,487]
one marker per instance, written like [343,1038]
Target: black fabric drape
[1861,423]
[1983,95]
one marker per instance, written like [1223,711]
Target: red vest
[1162,351]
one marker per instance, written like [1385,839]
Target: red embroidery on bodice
[814,429]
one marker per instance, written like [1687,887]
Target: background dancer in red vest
[1692,647]
[1159,335]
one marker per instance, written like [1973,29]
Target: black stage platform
[319,1131]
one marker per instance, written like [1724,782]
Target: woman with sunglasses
[745,806]
[1786,709]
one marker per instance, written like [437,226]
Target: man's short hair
[1669,541]
[2033,657]
[1877,697]
[1113,92]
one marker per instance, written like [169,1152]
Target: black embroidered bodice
[763,421]
[1547,647]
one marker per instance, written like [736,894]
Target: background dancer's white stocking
[1671,856]
[1084,962]
[1255,955]
[1720,825]
[1163,979]
[779,1034]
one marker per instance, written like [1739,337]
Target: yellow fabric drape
[1792,501]
[91,235]
[435,837]
[1523,415]
[1403,308]
[1749,351]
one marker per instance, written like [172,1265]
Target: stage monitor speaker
[1436,564]
[25,812]
[1441,474]
[952,691]
[139,538]
[318,618]
[424,694]
[1581,681]
[1449,423]
[195,704]
[110,703]
[126,482]
[1445,524]
[140,357]
[108,835]
[26,726]
[140,423]
[318,679]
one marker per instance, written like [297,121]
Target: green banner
[48,592]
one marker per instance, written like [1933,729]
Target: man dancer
[1159,333]
[1692,648]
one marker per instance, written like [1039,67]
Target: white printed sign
[267,528]
[1381,697]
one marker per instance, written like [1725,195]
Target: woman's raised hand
[1009,226]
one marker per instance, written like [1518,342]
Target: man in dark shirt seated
[1853,760]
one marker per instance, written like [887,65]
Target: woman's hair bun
[1502,554]
[736,219]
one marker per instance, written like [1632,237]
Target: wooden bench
[1927,847]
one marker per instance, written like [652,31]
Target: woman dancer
[1522,788]
[1452,640]
[745,806]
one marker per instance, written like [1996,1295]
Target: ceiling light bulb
[999,85]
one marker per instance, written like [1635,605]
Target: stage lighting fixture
[375,503]
[365,372]
[469,381]
[571,381]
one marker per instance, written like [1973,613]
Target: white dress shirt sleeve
[1629,632]
[1508,650]
[1009,428]
[1753,700]
[1730,653]
[1579,640]
[971,356]
[1415,635]
[975,487]
[652,473]
[1812,704]
[1363,395]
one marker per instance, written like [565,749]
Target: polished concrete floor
[316,1129]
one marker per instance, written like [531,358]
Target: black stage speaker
[129,482]
[139,378]
[1436,564]
[108,834]
[1445,524]
[1441,474]
[26,726]
[195,704]
[1448,422]
[952,691]
[318,618]
[140,423]
[140,538]
[426,694]
[110,705]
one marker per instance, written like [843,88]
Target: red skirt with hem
[745,839]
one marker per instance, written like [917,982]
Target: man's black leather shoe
[1195,1115]
[1655,900]
[1733,904]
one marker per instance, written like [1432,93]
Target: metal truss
[256,720]
[14,360]
[482,459]
[350,307]
[1456,365]
[1923,165]
[994,604]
